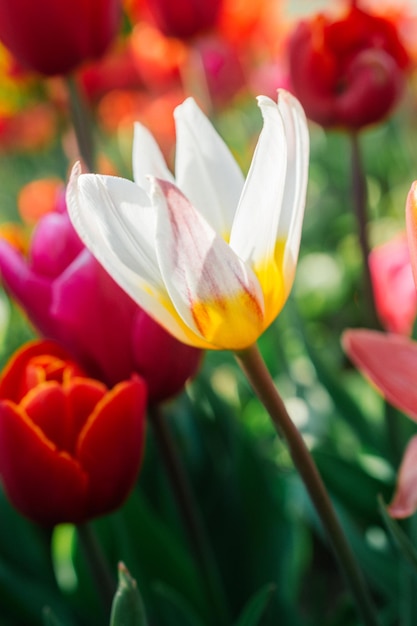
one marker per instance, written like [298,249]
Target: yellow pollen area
[229,323]
[270,274]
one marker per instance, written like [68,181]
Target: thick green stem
[106,584]
[82,123]
[255,369]
[360,202]
[190,514]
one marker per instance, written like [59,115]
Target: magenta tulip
[70,298]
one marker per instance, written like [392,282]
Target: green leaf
[127,608]
[256,607]
[404,544]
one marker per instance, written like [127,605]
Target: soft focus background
[270,560]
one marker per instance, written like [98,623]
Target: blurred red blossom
[70,449]
[181,19]
[52,37]
[350,71]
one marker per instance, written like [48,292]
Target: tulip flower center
[229,323]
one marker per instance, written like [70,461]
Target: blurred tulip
[70,449]
[52,37]
[347,72]
[182,18]
[71,299]
[390,362]
[394,290]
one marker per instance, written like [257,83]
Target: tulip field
[208,303]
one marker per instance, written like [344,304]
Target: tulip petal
[110,447]
[404,502]
[14,382]
[121,236]
[390,362]
[298,150]
[147,158]
[205,169]
[411,220]
[47,486]
[46,406]
[217,296]
[255,233]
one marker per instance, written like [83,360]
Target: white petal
[255,228]
[110,217]
[205,169]
[297,138]
[147,158]
[211,288]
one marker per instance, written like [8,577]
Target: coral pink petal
[404,502]
[411,218]
[390,362]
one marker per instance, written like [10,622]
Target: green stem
[189,513]
[360,201]
[82,123]
[99,567]
[255,369]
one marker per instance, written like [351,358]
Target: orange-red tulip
[70,449]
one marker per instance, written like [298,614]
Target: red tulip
[70,449]
[183,18]
[348,72]
[54,37]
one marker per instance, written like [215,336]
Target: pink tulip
[70,298]
[393,284]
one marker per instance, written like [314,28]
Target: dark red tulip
[348,72]
[70,449]
[55,36]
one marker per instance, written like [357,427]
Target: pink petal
[390,362]
[404,502]
[411,218]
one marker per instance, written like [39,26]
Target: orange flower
[70,449]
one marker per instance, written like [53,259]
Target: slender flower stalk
[254,368]
[99,567]
[82,123]
[360,201]
[189,512]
